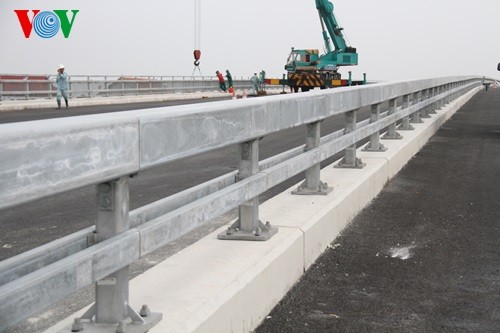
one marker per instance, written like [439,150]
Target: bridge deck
[228,286]
[424,255]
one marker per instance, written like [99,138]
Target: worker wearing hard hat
[62,86]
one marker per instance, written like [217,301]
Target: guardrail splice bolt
[120,328]
[145,311]
[77,325]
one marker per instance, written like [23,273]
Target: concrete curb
[230,286]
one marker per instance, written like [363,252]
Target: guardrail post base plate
[379,148]
[358,164]
[405,127]
[397,136]
[262,233]
[128,326]
[322,189]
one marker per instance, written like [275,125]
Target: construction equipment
[307,69]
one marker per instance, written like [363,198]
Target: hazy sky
[396,39]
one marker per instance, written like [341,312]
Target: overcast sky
[396,39]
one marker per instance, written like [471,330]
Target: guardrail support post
[441,100]
[350,160]
[27,88]
[449,97]
[374,145]
[405,122]
[434,106]
[112,293]
[106,86]
[391,131]
[248,226]
[415,117]
[425,110]
[312,184]
[88,87]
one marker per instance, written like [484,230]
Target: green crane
[307,69]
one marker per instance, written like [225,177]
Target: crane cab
[301,58]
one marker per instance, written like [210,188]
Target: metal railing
[81,86]
[43,158]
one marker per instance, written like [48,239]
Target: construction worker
[262,80]
[255,83]
[62,86]
[222,84]
[230,87]
[229,79]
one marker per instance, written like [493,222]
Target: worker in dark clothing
[222,84]
[229,79]
[229,82]
[262,81]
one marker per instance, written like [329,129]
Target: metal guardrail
[81,86]
[43,158]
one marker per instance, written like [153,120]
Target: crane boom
[326,16]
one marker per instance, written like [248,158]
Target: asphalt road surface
[33,224]
[424,256]
[38,114]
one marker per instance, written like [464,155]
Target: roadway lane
[38,114]
[424,256]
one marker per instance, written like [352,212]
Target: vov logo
[47,23]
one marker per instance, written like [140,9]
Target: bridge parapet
[24,87]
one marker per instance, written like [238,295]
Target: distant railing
[82,86]
[43,158]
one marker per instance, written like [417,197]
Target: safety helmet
[61,66]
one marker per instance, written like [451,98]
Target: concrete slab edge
[228,286]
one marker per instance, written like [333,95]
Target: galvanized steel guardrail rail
[43,158]
[81,86]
